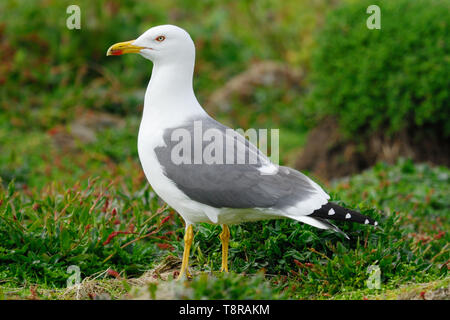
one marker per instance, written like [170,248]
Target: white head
[161,44]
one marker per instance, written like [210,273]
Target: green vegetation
[72,191]
[53,71]
[219,286]
[388,79]
[49,75]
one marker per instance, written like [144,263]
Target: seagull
[225,187]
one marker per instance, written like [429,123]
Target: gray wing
[221,184]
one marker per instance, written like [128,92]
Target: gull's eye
[160,38]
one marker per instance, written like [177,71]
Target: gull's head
[160,44]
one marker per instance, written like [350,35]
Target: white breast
[149,138]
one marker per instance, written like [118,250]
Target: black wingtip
[333,211]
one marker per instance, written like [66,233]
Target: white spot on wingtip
[366,222]
[331,212]
[375,223]
[348,216]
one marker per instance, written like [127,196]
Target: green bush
[387,79]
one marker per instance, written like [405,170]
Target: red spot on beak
[116,52]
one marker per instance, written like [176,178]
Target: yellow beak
[122,48]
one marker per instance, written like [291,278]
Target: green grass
[53,72]
[44,232]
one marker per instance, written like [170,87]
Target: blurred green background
[344,97]
[269,64]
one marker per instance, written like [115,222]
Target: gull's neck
[170,95]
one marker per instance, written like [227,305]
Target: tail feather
[319,223]
[332,211]
[333,227]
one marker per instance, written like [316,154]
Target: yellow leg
[224,238]
[188,237]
